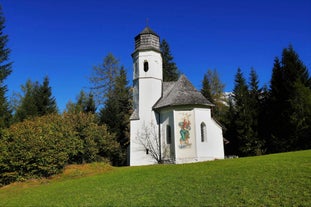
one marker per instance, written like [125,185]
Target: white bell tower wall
[147,90]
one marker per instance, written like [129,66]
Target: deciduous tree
[103,78]
[111,86]
[213,90]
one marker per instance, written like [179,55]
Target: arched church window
[203,132]
[168,134]
[146,66]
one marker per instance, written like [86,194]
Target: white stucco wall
[194,150]
[147,92]
[213,147]
[154,60]
[168,150]
[138,155]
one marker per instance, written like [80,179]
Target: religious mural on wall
[185,128]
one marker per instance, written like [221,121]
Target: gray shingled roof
[147,30]
[180,93]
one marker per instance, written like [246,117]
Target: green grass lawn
[272,180]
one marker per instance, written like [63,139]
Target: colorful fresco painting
[185,127]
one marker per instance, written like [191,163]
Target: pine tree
[110,83]
[231,133]
[170,70]
[37,100]
[255,110]
[27,107]
[46,103]
[206,89]
[85,104]
[293,69]
[117,108]
[247,115]
[90,106]
[289,91]
[240,95]
[5,71]
[276,104]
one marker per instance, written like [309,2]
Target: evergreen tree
[255,110]
[242,116]
[206,89]
[117,108]
[289,91]
[230,131]
[5,70]
[293,69]
[85,103]
[90,106]
[37,100]
[170,70]
[275,106]
[46,103]
[27,106]
[81,102]
[110,83]
[246,115]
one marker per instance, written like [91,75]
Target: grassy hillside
[272,180]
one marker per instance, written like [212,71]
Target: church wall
[185,142]
[211,148]
[168,150]
[138,155]
[154,60]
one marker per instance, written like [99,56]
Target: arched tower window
[168,134]
[203,132]
[146,66]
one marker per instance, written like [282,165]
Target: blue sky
[64,39]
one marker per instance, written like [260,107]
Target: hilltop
[271,180]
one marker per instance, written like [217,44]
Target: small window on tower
[146,66]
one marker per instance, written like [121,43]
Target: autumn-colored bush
[42,146]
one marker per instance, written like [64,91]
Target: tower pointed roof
[147,39]
[181,93]
[148,30]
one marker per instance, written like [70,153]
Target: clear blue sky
[64,39]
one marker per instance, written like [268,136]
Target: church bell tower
[147,73]
[147,90]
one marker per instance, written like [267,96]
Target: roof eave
[182,106]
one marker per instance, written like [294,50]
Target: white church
[171,121]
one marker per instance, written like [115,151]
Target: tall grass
[272,180]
